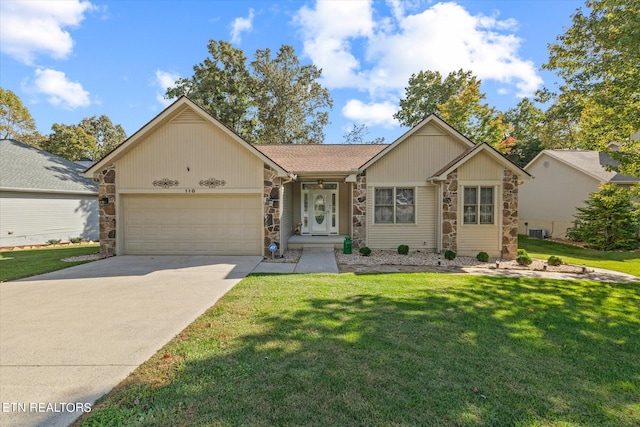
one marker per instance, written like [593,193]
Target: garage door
[197,225]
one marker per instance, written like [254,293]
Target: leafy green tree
[457,99]
[358,134]
[15,119]
[291,105]
[222,85]
[108,136]
[609,220]
[598,57]
[526,121]
[70,142]
[271,100]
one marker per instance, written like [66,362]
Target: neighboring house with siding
[562,181]
[187,184]
[43,197]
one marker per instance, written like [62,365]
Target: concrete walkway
[313,260]
[72,335]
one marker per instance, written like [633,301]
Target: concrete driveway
[68,337]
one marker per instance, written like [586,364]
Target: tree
[70,142]
[598,58]
[273,100]
[290,102]
[15,119]
[221,84]
[106,134]
[609,220]
[457,99]
[526,121]
[358,134]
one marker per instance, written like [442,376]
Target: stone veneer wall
[509,215]
[272,208]
[359,217]
[107,212]
[450,212]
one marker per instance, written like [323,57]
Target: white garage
[192,224]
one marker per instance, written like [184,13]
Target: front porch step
[316,242]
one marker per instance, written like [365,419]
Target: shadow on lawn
[497,352]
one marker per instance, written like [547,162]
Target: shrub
[54,241]
[449,254]
[483,257]
[523,257]
[554,260]
[75,239]
[403,249]
[365,251]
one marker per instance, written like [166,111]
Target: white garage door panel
[211,225]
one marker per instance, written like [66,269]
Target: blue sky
[68,60]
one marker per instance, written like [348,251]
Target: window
[478,205]
[395,206]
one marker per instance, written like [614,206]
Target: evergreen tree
[609,220]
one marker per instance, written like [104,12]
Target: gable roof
[180,105]
[26,168]
[591,163]
[325,158]
[472,152]
[431,118]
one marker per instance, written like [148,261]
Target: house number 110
[189,190]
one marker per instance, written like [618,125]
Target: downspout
[291,177]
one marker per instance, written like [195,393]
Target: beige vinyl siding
[286,222]
[417,158]
[34,218]
[343,208]
[192,224]
[189,150]
[480,167]
[549,200]
[480,237]
[421,235]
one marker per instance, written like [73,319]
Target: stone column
[450,212]
[272,210]
[359,218]
[107,211]
[509,214]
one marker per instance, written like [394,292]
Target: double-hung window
[395,205]
[479,205]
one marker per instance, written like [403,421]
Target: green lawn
[395,349]
[623,261]
[25,263]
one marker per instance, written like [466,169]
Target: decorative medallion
[213,182]
[165,183]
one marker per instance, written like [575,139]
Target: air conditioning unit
[537,233]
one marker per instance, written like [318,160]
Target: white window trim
[478,186]
[394,223]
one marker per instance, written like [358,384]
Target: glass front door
[320,208]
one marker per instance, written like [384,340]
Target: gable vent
[188,116]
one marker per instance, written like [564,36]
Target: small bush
[75,239]
[403,249]
[54,241]
[523,257]
[483,257]
[449,254]
[554,260]
[365,251]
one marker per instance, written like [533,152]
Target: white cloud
[59,90]
[373,113]
[241,25]
[358,47]
[165,80]
[29,28]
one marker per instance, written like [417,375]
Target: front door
[320,212]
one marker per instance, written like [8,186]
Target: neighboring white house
[43,196]
[562,180]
